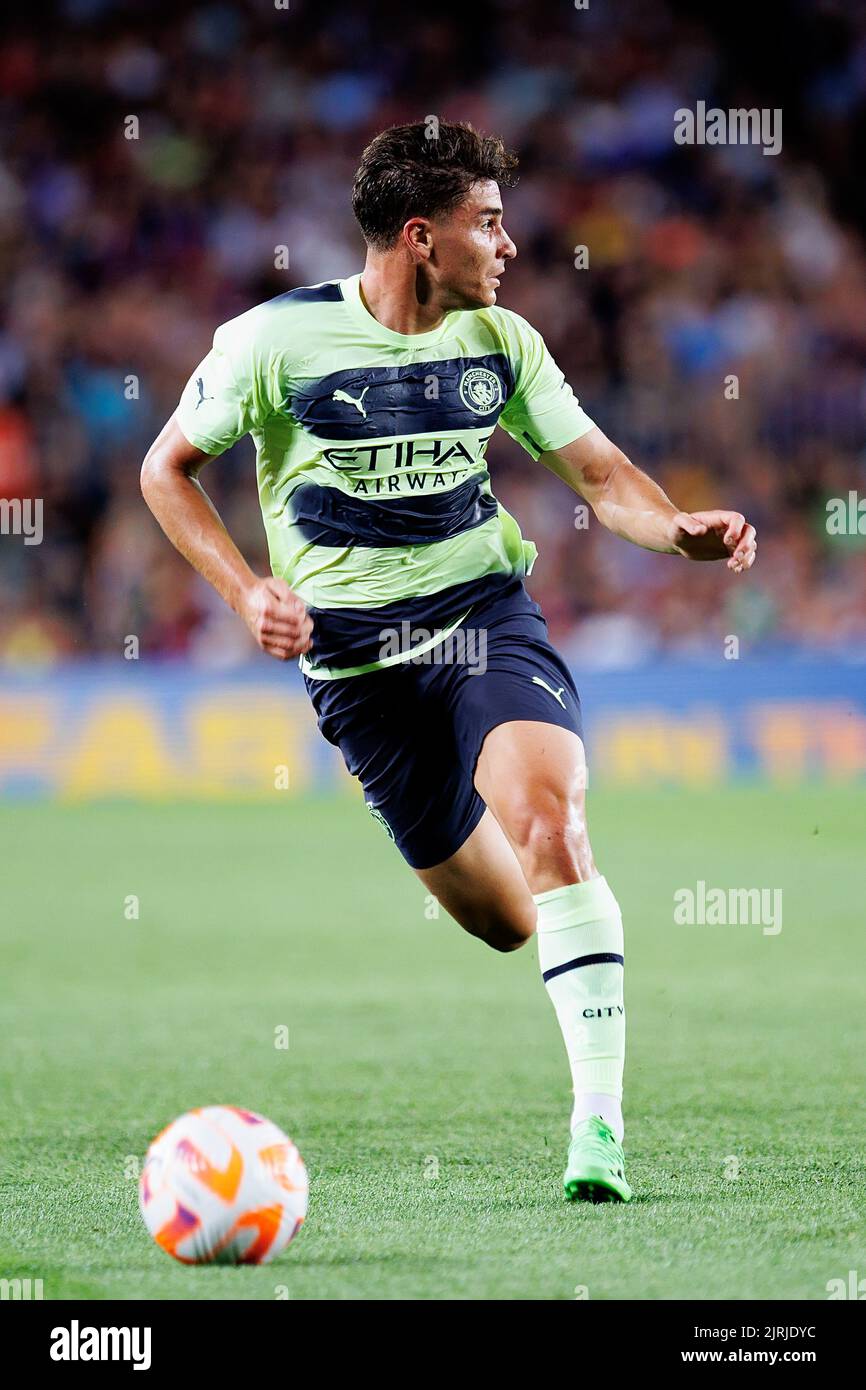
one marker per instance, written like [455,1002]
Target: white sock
[592,1103]
[580,947]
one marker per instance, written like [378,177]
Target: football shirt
[370,457]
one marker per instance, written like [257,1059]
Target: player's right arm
[274,615]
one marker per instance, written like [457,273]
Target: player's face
[470,249]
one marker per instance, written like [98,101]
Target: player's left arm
[631,505]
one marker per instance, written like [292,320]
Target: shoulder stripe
[328,293]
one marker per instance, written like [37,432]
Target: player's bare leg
[483,888]
[532,838]
[533,776]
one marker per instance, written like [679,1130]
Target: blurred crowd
[154,156]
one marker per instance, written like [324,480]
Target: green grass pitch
[425,1079]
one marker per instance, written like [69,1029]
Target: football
[223,1185]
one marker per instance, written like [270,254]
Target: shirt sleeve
[543,413]
[221,403]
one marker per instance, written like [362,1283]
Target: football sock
[592,1103]
[580,953]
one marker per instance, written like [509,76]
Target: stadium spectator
[155,159]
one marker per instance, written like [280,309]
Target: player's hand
[277,618]
[715,536]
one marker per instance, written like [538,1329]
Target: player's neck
[398,297]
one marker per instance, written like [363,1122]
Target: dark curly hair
[422,170]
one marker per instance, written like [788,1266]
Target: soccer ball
[223,1185]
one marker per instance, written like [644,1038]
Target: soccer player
[371,401]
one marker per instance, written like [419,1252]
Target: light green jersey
[370,454]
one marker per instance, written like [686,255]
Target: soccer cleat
[595,1171]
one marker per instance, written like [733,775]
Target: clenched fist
[277,618]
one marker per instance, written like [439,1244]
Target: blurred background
[186,873]
[121,255]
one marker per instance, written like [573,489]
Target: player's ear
[418,236]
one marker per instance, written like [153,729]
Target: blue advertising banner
[136,729]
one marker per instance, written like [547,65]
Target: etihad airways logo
[406,465]
[403,454]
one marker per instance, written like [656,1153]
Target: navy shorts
[412,732]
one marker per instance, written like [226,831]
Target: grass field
[413,1047]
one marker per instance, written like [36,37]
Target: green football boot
[595,1171]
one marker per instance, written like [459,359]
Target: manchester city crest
[480,390]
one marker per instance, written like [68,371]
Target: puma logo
[557,694]
[199,381]
[357,401]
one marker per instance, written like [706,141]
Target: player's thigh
[483,888]
[395,732]
[532,775]
[518,725]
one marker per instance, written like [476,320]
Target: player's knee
[508,932]
[549,830]
[545,820]
[507,939]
